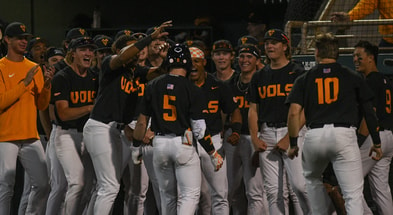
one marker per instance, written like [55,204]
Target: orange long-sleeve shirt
[19,103]
[366,7]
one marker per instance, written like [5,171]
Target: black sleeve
[372,121]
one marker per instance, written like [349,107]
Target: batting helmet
[179,57]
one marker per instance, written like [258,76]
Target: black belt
[71,128]
[383,129]
[120,126]
[276,124]
[170,134]
[320,125]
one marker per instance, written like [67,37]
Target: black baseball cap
[222,45]
[103,42]
[127,32]
[276,34]
[15,29]
[82,42]
[34,41]
[76,33]
[249,48]
[53,51]
[247,39]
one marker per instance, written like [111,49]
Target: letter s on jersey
[274,90]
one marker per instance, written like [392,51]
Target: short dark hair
[327,45]
[369,48]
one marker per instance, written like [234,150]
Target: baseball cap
[53,51]
[249,48]
[276,34]
[75,33]
[139,35]
[82,42]
[15,29]
[247,39]
[127,32]
[103,42]
[34,41]
[196,52]
[222,45]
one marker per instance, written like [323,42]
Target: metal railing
[310,28]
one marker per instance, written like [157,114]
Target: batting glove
[136,154]
[217,160]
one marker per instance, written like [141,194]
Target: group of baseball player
[140,114]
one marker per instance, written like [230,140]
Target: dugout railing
[308,30]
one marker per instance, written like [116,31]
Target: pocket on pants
[185,154]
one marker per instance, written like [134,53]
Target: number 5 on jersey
[171,114]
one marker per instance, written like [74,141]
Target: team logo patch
[170,86]
[244,40]
[271,32]
[23,27]
[104,41]
[326,70]
[127,32]
[82,31]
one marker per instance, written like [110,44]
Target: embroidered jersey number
[327,90]
[172,115]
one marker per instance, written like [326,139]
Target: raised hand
[30,75]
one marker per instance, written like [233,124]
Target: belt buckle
[120,126]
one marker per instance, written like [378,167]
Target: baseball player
[57,180]
[267,93]
[331,96]
[114,107]
[219,101]
[365,60]
[74,90]
[223,56]
[23,90]
[239,156]
[170,101]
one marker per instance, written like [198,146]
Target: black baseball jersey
[117,95]
[240,91]
[219,98]
[330,93]
[270,87]
[382,89]
[78,91]
[171,101]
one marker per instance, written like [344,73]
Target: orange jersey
[19,103]
[366,7]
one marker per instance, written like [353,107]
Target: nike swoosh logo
[56,94]
[213,88]
[11,75]
[291,73]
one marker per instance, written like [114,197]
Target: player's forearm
[43,98]
[294,120]
[253,121]
[67,114]
[8,98]
[371,121]
[128,52]
[140,127]
[45,121]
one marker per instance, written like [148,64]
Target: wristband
[143,42]
[136,142]
[377,146]
[236,127]
[293,141]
